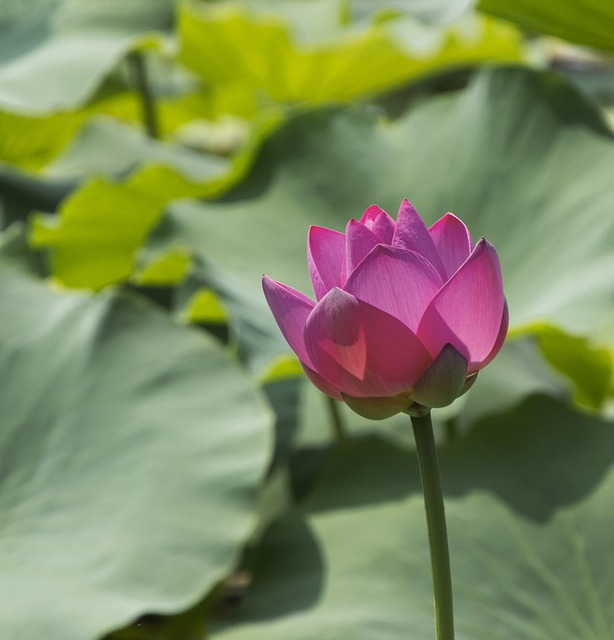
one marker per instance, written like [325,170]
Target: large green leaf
[509,156]
[530,535]
[132,452]
[55,53]
[588,22]
[281,66]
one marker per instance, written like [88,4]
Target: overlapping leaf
[132,451]
[103,223]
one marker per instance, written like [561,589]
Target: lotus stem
[436,525]
[148,103]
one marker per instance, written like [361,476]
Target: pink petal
[505,321]
[358,243]
[319,382]
[453,242]
[360,349]
[467,312]
[291,309]
[378,221]
[400,282]
[325,254]
[412,234]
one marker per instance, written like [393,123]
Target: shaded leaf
[130,464]
[55,53]
[355,561]
[105,146]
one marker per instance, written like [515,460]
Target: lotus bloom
[405,316]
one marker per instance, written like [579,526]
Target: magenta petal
[400,282]
[443,381]
[325,253]
[358,243]
[360,349]
[319,382]
[411,233]
[453,242]
[505,321]
[370,216]
[467,312]
[291,309]
[378,221]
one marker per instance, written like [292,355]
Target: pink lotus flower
[405,316]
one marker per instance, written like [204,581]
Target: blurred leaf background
[168,472]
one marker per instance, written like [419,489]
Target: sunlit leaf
[588,22]
[279,67]
[589,366]
[102,225]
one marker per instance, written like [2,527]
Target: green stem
[148,103]
[436,525]
[337,422]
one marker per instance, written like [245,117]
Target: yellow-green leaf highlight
[101,226]
[279,68]
[205,307]
[588,365]
[168,270]
[587,22]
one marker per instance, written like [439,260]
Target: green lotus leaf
[102,224]
[55,53]
[587,22]
[526,563]
[281,66]
[514,170]
[132,450]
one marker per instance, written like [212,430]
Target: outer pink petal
[378,221]
[325,254]
[362,350]
[412,234]
[505,321]
[400,282]
[453,242]
[358,243]
[291,309]
[319,382]
[467,312]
